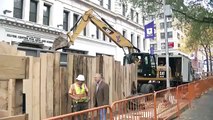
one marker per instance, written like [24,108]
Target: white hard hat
[80,78]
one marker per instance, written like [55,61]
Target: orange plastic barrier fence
[89,114]
[134,108]
[165,100]
[157,105]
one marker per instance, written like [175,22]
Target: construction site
[48,72]
[36,88]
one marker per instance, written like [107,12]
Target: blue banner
[149,30]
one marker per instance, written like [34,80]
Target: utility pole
[167,12]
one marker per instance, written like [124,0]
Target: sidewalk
[201,108]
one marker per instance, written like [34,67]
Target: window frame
[163,33]
[48,16]
[66,23]
[18,11]
[33,12]
[123,9]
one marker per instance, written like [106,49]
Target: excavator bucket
[61,42]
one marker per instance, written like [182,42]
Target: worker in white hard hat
[79,94]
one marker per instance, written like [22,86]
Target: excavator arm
[105,27]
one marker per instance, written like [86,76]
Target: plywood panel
[12,67]
[36,89]
[3,95]
[44,75]
[18,97]
[27,89]
[92,81]
[91,70]
[56,78]
[50,62]
[3,113]
[6,49]
[70,78]
[64,89]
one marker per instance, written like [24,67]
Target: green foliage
[191,12]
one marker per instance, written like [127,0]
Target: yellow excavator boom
[106,28]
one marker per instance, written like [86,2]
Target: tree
[200,37]
[183,10]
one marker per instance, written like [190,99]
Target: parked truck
[180,66]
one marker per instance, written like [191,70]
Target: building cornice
[28,25]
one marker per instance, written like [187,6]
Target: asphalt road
[201,109]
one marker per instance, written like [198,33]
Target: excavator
[147,67]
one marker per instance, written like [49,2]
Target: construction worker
[79,94]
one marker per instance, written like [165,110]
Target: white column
[40,12]
[26,10]
[56,14]
[70,20]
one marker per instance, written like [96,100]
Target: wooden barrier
[47,84]
[55,81]
[13,69]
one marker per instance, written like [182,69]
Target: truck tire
[143,88]
[150,88]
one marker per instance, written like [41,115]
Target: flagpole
[166,42]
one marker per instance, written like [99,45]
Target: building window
[138,41]
[178,44]
[46,14]
[162,25]
[109,4]
[75,19]
[65,20]
[132,37]
[132,14]
[85,31]
[178,35]
[123,10]
[153,46]
[124,33]
[151,17]
[101,2]
[171,44]
[104,36]
[18,9]
[97,32]
[169,24]
[163,46]
[169,34]
[137,17]
[169,18]
[33,11]
[162,35]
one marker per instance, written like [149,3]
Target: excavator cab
[146,63]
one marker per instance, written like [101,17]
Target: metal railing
[134,108]
[89,114]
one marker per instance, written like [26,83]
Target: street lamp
[167,13]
